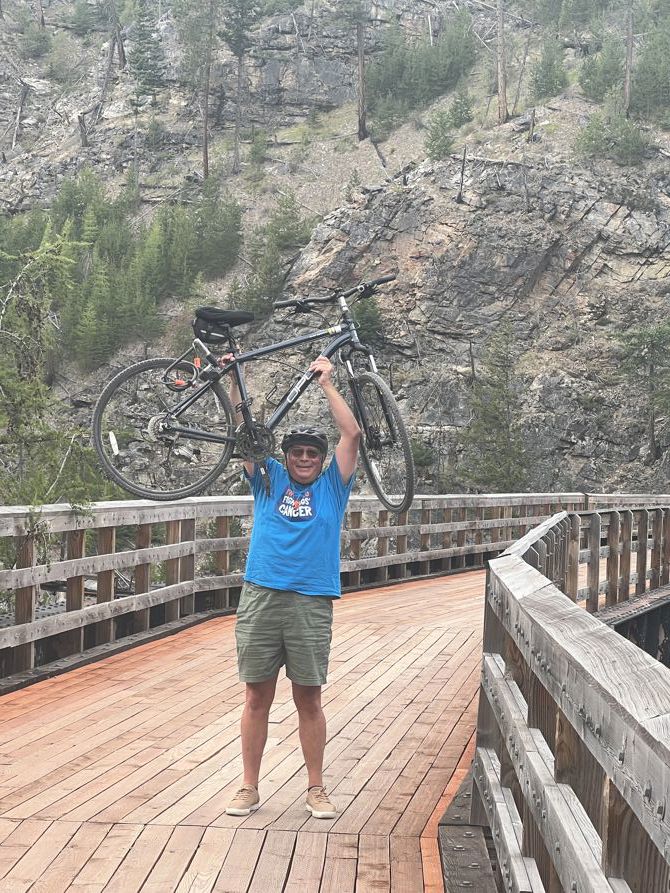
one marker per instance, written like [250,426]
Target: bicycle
[165,428]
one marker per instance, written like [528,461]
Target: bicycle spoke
[138,446]
[385,449]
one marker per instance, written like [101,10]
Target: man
[291,578]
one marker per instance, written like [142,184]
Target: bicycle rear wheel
[133,438]
[386,453]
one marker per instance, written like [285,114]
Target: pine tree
[218,224]
[240,16]
[460,110]
[647,362]
[604,71]
[440,138]
[493,458]
[200,27]
[548,76]
[147,62]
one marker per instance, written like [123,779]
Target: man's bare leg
[312,729]
[254,726]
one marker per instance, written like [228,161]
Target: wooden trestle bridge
[540,762]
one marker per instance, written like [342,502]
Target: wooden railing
[81,582]
[572,765]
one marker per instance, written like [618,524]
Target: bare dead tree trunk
[531,127]
[362,111]
[503,114]
[2,15]
[206,88]
[25,89]
[238,116]
[205,119]
[521,73]
[459,197]
[83,135]
[629,60]
[39,14]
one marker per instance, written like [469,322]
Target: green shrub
[423,453]
[409,74]
[548,77]
[603,71]
[460,110]
[35,42]
[612,135]
[440,138]
[259,147]
[84,18]
[651,75]
[368,321]
[64,59]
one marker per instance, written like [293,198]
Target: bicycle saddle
[224,317]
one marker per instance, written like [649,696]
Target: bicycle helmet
[305,436]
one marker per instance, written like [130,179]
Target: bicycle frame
[344,334]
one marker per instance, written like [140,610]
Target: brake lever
[302,307]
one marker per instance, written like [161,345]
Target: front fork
[361,410]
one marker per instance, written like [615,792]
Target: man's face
[304,463]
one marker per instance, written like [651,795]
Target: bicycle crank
[256,447]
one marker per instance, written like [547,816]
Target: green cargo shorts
[278,627]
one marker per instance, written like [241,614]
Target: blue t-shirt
[295,541]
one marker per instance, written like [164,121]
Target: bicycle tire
[385,449]
[151,467]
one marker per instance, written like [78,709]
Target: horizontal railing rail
[77,581]
[572,765]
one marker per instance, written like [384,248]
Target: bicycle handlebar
[303,305]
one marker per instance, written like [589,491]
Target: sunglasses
[307,452]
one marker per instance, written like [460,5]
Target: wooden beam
[75,620]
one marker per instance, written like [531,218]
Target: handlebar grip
[389,277]
[279,305]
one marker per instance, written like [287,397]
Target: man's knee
[307,698]
[260,695]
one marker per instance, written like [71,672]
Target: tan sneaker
[245,801]
[319,803]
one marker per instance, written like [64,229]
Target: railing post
[613,532]
[73,640]
[593,573]
[222,562]
[626,548]
[642,544]
[382,546]
[573,557]
[355,548]
[187,565]
[106,542]
[424,566]
[142,577]
[665,561]
[657,534]
[24,605]
[172,536]
[401,544]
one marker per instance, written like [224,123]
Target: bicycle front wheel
[134,436]
[386,453]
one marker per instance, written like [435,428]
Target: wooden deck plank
[69,862]
[307,866]
[116,775]
[139,861]
[373,872]
[38,857]
[201,874]
[274,863]
[106,859]
[240,862]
